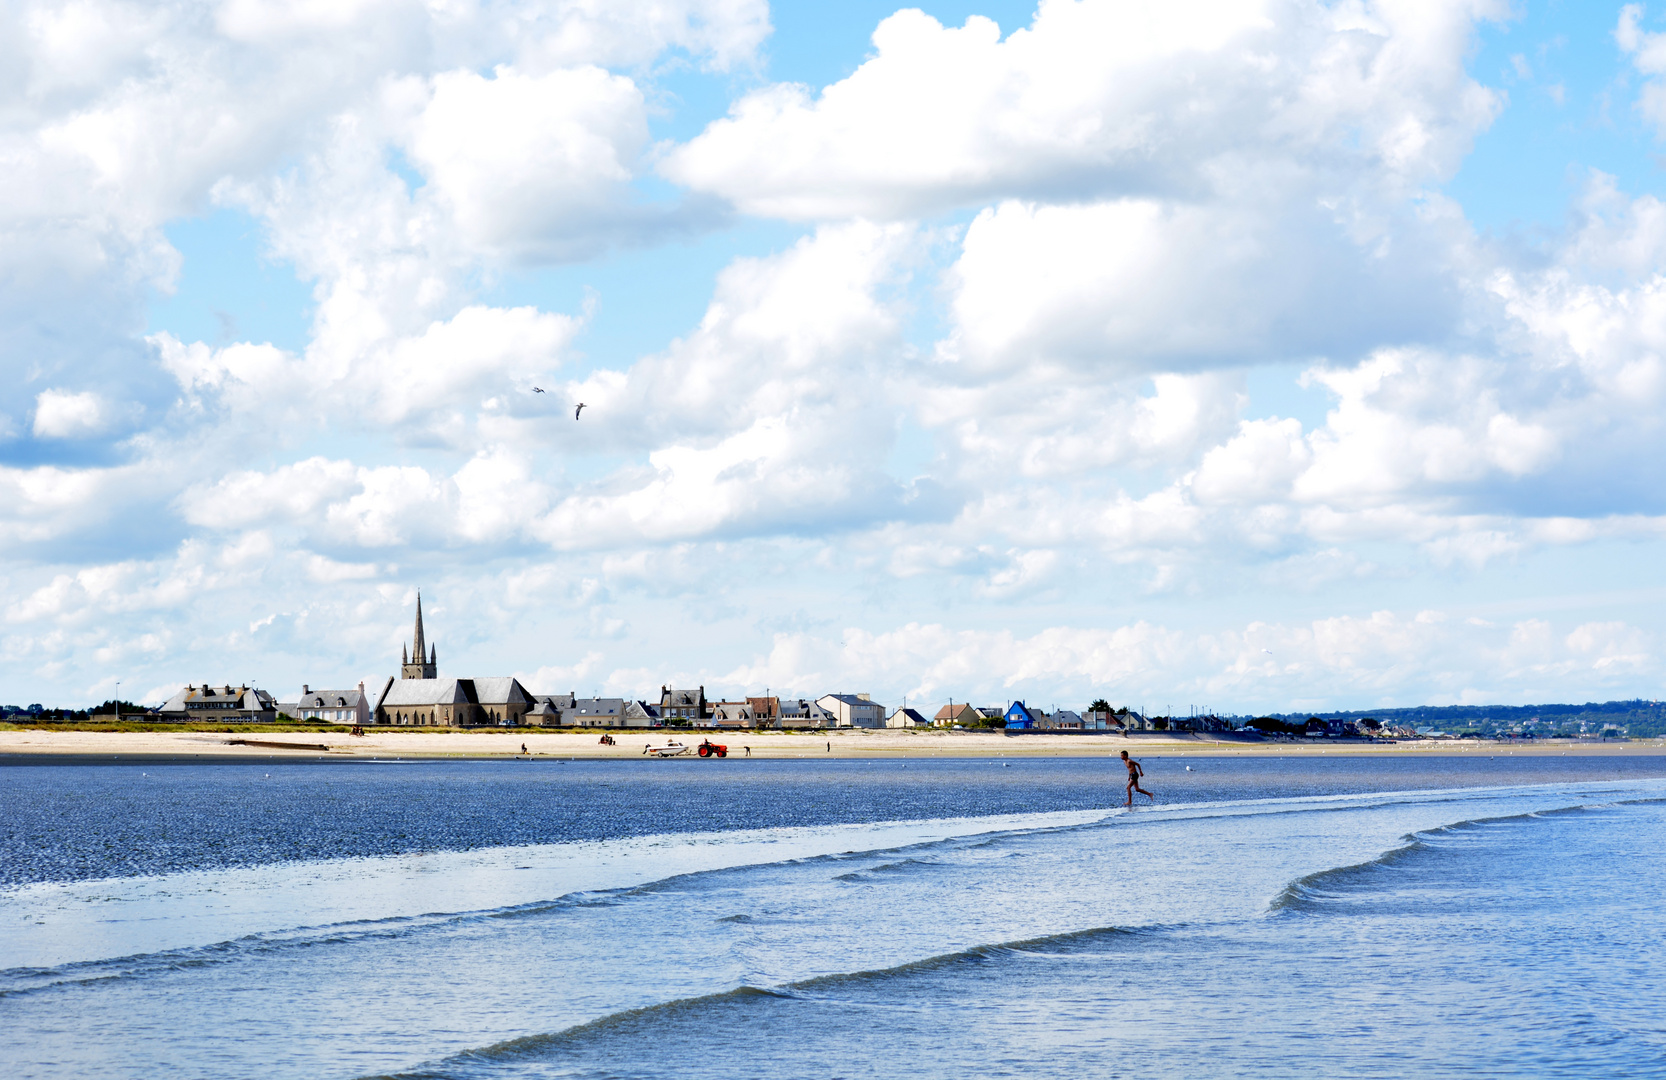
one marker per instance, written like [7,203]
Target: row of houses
[418,697]
[504,702]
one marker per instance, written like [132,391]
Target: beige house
[962,714]
[853,710]
[732,714]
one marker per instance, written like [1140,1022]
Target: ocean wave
[1320,891]
[541,1047]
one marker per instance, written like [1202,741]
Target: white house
[906,718]
[853,710]
[333,706]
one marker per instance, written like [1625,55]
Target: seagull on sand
[578,410]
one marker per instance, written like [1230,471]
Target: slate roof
[223,698]
[329,699]
[405,693]
[495,690]
[500,691]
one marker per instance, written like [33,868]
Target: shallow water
[1345,916]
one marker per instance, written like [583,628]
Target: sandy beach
[442,743]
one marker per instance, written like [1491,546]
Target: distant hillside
[1639,717]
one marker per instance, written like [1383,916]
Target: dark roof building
[220,704]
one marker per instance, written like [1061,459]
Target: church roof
[493,690]
[499,691]
[408,692]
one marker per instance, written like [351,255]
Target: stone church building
[420,698]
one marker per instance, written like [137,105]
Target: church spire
[419,662]
[417,650]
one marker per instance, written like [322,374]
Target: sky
[1242,357]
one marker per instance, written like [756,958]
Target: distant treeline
[1639,716]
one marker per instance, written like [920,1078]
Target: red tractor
[711,749]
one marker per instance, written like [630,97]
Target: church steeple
[420,663]
[417,648]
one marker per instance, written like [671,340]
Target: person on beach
[1134,774]
[523,748]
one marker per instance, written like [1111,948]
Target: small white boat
[668,750]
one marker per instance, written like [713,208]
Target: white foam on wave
[50,924]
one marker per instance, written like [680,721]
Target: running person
[1134,774]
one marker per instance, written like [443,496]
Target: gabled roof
[599,706]
[500,691]
[330,699]
[412,692]
[848,699]
[231,697]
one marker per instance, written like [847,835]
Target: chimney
[305,689]
[361,686]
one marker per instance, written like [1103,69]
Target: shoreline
[40,746]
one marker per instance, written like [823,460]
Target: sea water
[1477,914]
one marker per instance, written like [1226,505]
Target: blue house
[1020,718]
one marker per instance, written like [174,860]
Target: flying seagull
[537,389]
[578,410]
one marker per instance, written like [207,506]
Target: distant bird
[537,389]
[578,410]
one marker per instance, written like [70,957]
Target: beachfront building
[853,710]
[220,704]
[1021,717]
[1066,720]
[331,706]
[732,714]
[962,714]
[906,718]
[683,706]
[559,704]
[800,714]
[1104,720]
[596,712]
